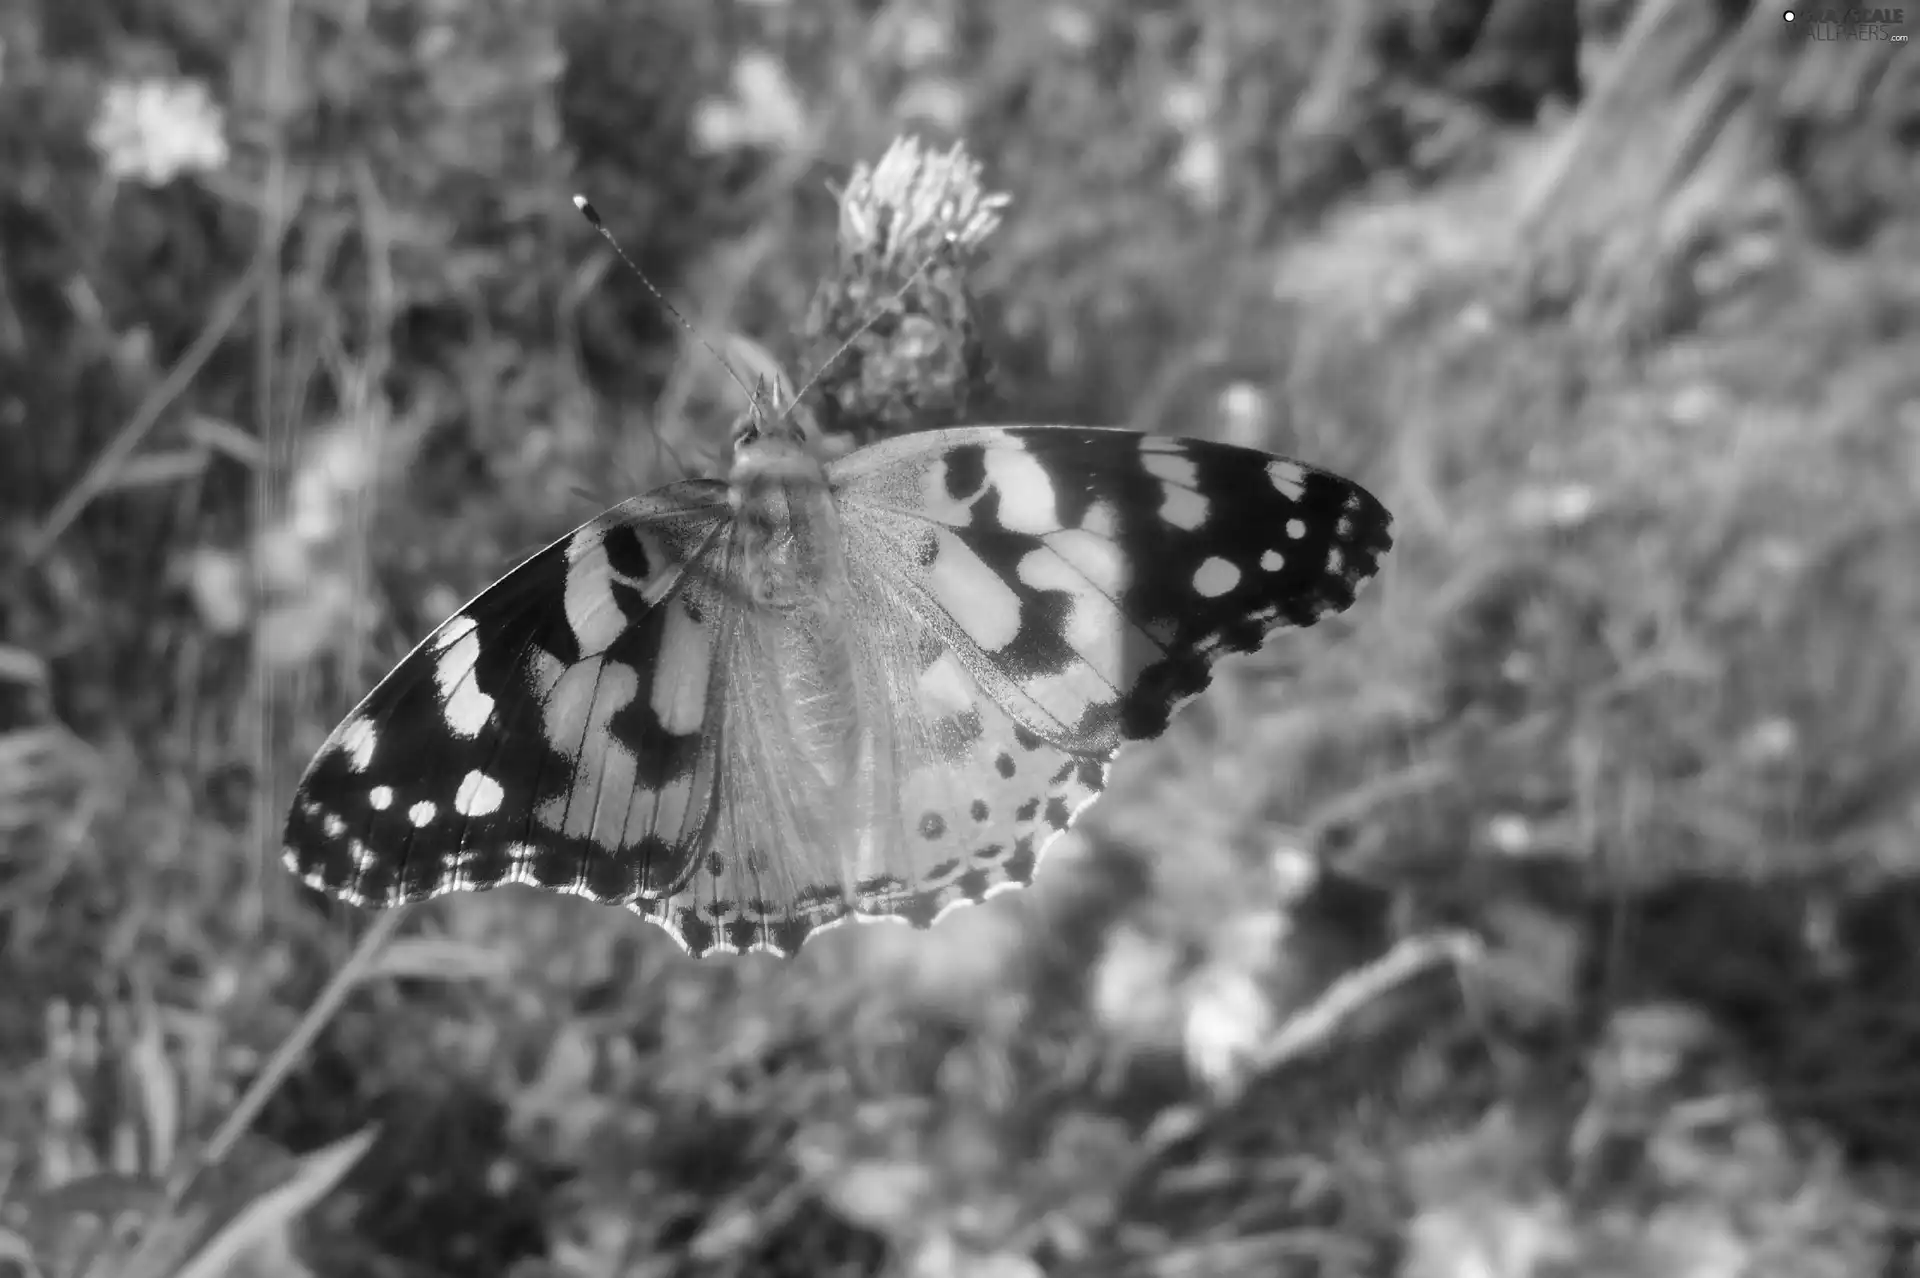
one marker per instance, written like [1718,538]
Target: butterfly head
[773,445]
[786,524]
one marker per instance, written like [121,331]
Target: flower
[151,131]
[765,110]
[892,332]
[914,201]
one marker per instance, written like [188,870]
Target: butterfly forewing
[547,733]
[1088,578]
[648,714]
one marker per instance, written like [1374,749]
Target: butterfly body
[876,686]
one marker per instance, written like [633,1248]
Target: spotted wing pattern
[875,688]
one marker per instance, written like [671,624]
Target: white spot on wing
[1067,695]
[663,812]
[479,795]
[587,599]
[1273,560]
[945,687]
[682,670]
[380,797]
[457,872]
[1180,501]
[605,801]
[520,868]
[938,504]
[1296,529]
[1110,647]
[453,630]
[462,704]
[467,709]
[1094,627]
[1076,561]
[983,605]
[592,610]
[357,739]
[1288,479]
[422,814]
[1215,578]
[1169,465]
[1183,508]
[1028,503]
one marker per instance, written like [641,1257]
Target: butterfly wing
[615,719]
[1088,579]
[551,732]
[1033,598]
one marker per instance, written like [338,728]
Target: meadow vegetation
[1553,912]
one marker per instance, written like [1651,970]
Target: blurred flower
[1229,1019]
[1185,106]
[1072,26]
[886,1195]
[339,466]
[1485,1236]
[1774,740]
[216,580]
[1563,506]
[1200,170]
[1134,988]
[913,38]
[934,99]
[765,109]
[1485,1204]
[440,600]
[892,330]
[943,1257]
[1477,319]
[1295,870]
[294,630]
[307,561]
[1698,404]
[151,131]
[1510,833]
[914,200]
[1246,415]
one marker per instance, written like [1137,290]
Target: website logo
[1833,23]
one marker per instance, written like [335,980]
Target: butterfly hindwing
[631,716]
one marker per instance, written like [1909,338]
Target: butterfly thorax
[792,567]
[788,525]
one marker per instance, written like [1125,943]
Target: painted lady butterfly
[876,686]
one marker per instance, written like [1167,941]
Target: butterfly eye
[746,430]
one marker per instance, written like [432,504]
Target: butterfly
[871,686]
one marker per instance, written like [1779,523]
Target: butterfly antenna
[592,215]
[946,242]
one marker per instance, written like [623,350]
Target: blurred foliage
[1614,304]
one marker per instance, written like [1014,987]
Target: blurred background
[1616,305]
